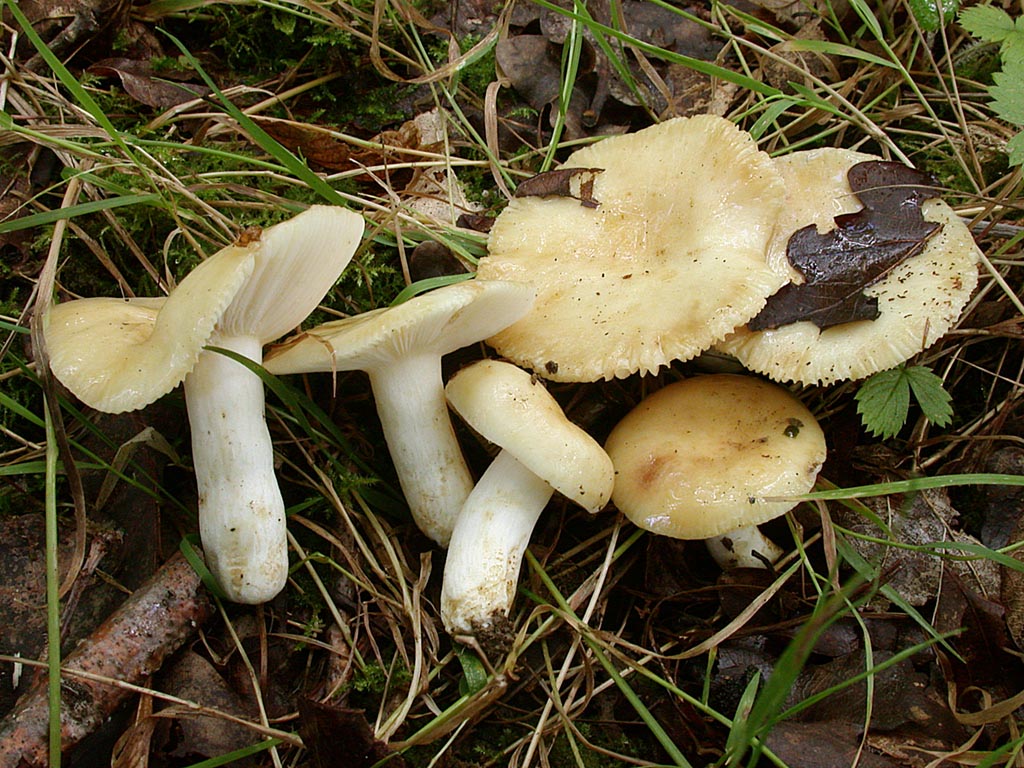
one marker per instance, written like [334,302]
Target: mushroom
[663,255]
[400,349]
[918,300]
[712,457]
[541,452]
[120,355]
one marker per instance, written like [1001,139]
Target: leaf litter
[393,683]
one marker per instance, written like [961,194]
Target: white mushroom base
[745,547]
[241,512]
[487,546]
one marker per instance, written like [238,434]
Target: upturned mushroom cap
[711,454]
[918,301]
[119,355]
[440,321]
[511,409]
[670,260]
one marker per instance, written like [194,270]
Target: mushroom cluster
[642,250]
[657,246]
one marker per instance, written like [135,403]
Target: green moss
[370,684]
[978,62]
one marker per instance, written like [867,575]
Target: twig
[132,643]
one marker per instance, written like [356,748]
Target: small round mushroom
[400,349]
[918,300]
[541,452]
[712,457]
[667,257]
[121,355]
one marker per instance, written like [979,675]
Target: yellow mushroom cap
[918,301]
[119,355]
[670,260]
[712,454]
[436,322]
[515,411]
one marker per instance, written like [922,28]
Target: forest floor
[138,138]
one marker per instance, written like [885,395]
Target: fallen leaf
[799,745]
[192,735]
[925,518]
[577,183]
[147,85]
[329,731]
[983,644]
[532,65]
[433,259]
[863,247]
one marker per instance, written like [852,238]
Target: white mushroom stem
[409,394]
[487,546]
[743,548]
[241,512]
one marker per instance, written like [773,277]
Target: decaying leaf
[926,518]
[194,678]
[577,183]
[144,83]
[330,731]
[863,247]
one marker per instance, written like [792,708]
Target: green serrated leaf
[987,22]
[883,402]
[935,401]
[927,12]
[1015,147]
[1008,92]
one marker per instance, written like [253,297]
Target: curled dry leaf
[577,183]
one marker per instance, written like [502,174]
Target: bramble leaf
[993,24]
[935,401]
[987,22]
[1008,92]
[1016,149]
[883,401]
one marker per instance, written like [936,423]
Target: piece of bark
[131,644]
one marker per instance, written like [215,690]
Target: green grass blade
[266,142]
[624,688]
[52,593]
[94,206]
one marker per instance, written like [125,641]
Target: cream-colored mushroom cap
[670,260]
[441,320]
[513,410]
[119,355]
[712,454]
[918,301]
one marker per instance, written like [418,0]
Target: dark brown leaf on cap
[577,183]
[861,250]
